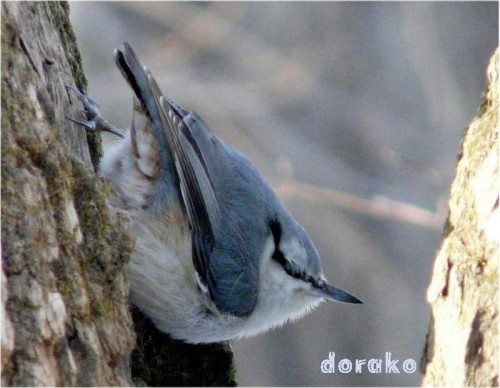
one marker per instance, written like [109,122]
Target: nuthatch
[217,255]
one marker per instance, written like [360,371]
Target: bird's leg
[95,122]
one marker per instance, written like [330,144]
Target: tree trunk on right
[462,344]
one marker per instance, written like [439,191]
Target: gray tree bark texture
[65,313]
[462,343]
[65,318]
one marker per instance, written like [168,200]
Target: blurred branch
[377,207]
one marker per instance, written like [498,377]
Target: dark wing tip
[118,55]
[126,55]
[131,68]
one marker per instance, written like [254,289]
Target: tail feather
[148,93]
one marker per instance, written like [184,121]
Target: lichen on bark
[462,344]
[64,291]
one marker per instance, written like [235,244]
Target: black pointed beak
[333,294]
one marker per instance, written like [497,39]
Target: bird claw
[88,125]
[94,122]
[91,106]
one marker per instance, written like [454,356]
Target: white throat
[281,297]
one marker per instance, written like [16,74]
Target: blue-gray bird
[217,255]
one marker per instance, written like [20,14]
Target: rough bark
[462,343]
[65,317]
[161,361]
[65,313]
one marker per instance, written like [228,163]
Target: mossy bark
[65,313]
[462,343]
[65,318]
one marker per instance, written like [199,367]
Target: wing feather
[184,143]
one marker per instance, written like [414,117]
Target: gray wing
[223,271]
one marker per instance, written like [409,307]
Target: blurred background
[354,112]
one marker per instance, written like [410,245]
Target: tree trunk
[65,318]
[462,343]
[65,314]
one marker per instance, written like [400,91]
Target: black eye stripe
[277,254]
[275,227]
[290,268]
